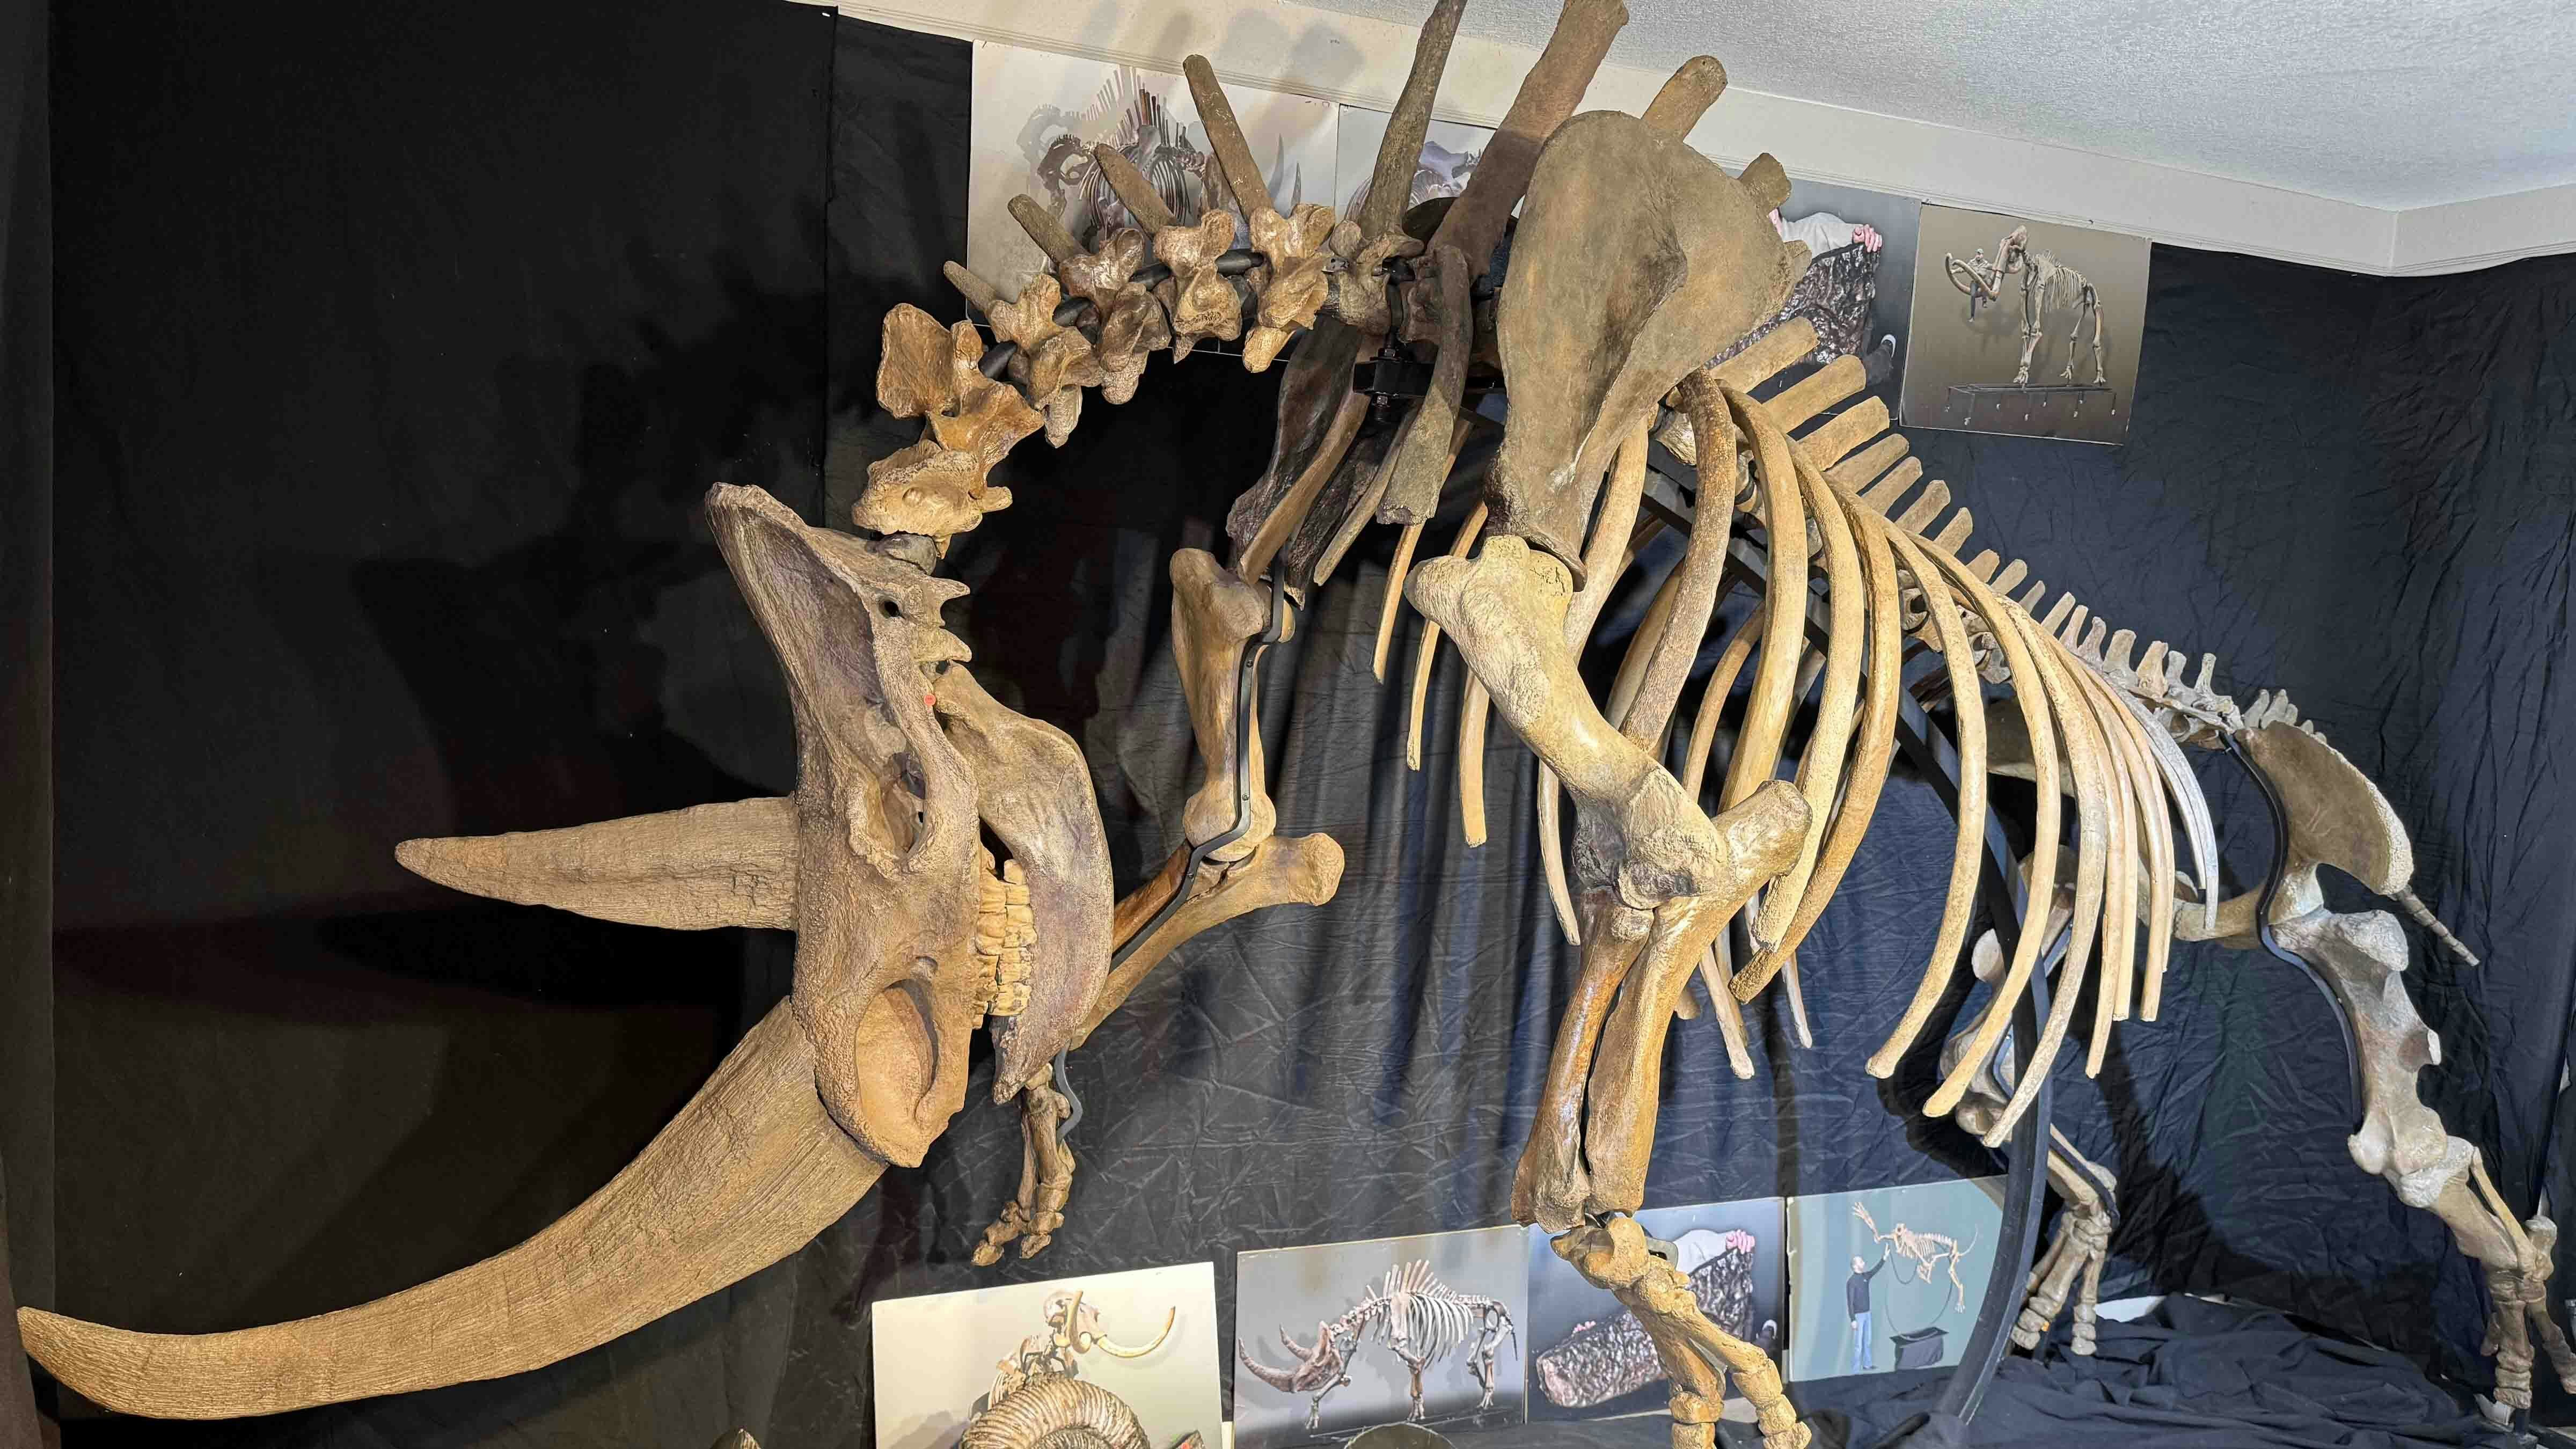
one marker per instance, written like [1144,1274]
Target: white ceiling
[2394,104]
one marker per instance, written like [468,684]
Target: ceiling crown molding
[1358,61]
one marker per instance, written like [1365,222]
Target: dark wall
[2360,490]
[26,645]
[399,348]
[399,345]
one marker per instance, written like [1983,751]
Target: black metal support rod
[2272,879]
[1247,680]
[2026,1180]
[2026,1170]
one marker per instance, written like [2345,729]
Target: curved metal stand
[2026,1183]
[2026,1179]
[2272,879]
[1247,683]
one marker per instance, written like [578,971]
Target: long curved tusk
[748,1172]
[1103,1343]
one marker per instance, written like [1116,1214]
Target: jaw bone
[875,860]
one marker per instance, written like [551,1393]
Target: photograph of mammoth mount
[993,725]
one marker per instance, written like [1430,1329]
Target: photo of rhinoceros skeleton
[1413,1316]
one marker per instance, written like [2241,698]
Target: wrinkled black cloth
[2191,1375]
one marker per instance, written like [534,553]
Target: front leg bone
[1696,1354]
[1213,613]
[1645,848]
[1551,1186]
[1506,610]
[2075,1255]
[1285,870]
[1761,836]
[1046,1180]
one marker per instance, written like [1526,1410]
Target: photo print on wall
[1858,290]
[1037,115]
[1124,1354]
[1891,1278]
[1334,1340]
[1590,1358]
[2024,327]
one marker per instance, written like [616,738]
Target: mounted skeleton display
[2049,288]
[1415,1317]
[1635,260]
[1921,1255]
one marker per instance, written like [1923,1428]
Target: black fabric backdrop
[398,348]
[26,667]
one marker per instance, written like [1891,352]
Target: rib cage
[1843,495]
[1826,501]
[1836,498]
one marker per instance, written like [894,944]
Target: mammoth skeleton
[2048,286]
[1635,260]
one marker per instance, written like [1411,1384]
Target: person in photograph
[1856,1302]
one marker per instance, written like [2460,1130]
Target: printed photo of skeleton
[1331,1341]
[2024,327]
[1591,1359]
[1889,1279]
[1126,1358]
[1037,117]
